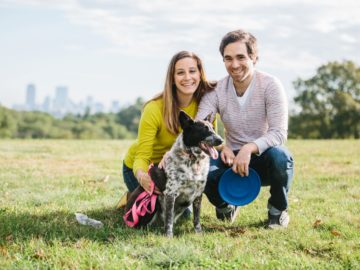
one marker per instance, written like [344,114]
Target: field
[44,183]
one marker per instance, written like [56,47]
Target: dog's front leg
[196,210]
[169,214]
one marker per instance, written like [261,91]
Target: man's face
[237,62]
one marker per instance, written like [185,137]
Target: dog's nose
[218,140]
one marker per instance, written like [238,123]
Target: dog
[186,169]
[183,179]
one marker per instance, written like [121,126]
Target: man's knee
[280,157]
[281,164]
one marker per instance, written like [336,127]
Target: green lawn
[43,183]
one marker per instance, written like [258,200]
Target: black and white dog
[186,170]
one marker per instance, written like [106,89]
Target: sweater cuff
[262,145]
[140,165]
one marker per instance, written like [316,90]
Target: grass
[43,183]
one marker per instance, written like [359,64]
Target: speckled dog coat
[186,169]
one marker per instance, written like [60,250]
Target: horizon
[120,50]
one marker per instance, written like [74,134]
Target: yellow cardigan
[154,140]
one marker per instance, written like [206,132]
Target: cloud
[294,34]
[348,39]
[142,26]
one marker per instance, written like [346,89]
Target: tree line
[40,125]
[327,106]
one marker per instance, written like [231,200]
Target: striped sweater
[263,119]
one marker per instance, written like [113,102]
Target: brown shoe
[123,200]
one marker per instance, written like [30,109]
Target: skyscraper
[46,104]
[61,97]
[30,97]
[115,106]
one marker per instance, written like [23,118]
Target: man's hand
[242,159]
[227,156]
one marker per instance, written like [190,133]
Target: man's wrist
[251,148]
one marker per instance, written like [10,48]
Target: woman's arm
[150,123]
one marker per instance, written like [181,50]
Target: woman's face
[186,77]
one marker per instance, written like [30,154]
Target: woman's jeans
[129,178]
[275,167]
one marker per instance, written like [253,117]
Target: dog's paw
[198,229]
[169,234]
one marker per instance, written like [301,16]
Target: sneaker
[227,213]
[278,221]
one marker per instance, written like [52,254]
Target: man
[253,107]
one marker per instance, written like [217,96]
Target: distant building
[98,108]
[61,104]
[89,103]
[30,103]
[115,106]
[46,104]
[61,97]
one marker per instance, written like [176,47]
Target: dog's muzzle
[208,145]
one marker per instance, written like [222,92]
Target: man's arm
[277,117]
[208,105]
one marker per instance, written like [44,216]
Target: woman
[159,125]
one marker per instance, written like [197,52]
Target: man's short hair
[243,36]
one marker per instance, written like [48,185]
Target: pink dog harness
[144,203]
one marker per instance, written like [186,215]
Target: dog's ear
[208,117]
[185,120]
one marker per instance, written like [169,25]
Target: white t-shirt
[244,97]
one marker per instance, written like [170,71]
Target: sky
[120,50]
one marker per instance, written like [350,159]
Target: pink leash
[147,202]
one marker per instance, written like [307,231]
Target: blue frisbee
[238,190]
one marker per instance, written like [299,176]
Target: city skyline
[120,50]
[61,103]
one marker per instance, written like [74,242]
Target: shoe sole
[276,227]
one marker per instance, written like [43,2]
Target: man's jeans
[275,167]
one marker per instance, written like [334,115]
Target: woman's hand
[145,181]
[227,156]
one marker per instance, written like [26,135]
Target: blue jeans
[275,167]
[129,178]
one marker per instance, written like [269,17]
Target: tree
[329,102]
[130,116]
[8,127]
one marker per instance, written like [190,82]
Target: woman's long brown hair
[171,108]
